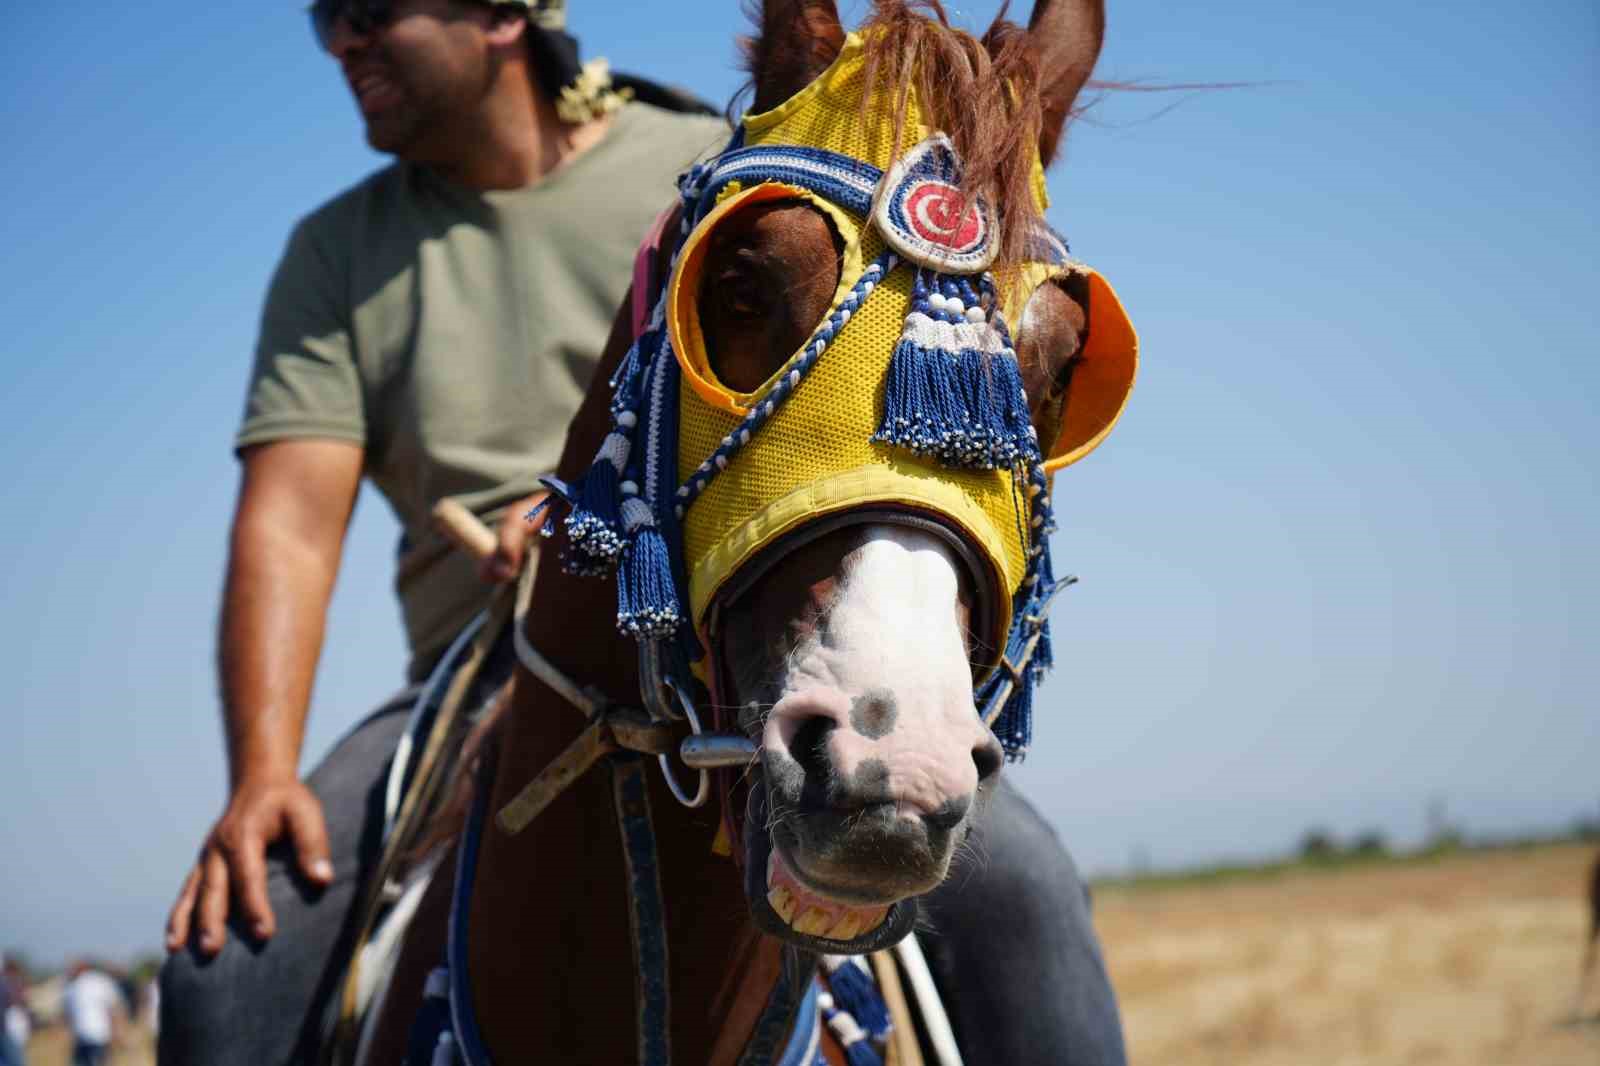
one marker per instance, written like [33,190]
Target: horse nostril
[809,747]
[948,817]
[988,756]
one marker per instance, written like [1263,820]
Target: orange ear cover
[1101,381]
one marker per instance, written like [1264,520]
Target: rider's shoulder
[370,197]
[670,115]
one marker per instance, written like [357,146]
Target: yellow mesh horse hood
[905,401]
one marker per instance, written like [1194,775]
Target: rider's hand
[232,863]
[511,546]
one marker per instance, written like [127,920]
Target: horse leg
[1586,975]
[1592,949]
[260,1004]
[1013,949]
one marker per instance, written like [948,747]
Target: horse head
[835,442]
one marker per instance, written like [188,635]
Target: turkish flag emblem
[939,214]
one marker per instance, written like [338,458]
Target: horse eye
[741,296]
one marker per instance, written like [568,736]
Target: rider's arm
[295,501]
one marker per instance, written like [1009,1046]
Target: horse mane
[987,94]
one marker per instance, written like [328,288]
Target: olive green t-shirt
[452,334]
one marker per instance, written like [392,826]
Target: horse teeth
[782,901]
[813,922]
[848,927]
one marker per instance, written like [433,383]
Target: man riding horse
[435,327]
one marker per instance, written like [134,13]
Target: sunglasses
[362,16]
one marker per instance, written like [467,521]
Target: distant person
[150,1007]
[18,1025]
[96,1013]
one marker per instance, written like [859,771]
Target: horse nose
[854,750]
[988,756]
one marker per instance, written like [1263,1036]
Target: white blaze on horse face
[887,666]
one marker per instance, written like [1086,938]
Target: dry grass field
[1465,960]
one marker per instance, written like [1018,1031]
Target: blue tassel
[647,601]
[862,1054]
[856,994]
[859,1043]
[594,525]
[1014,727]
[954,390]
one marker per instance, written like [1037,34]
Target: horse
[1591,950]
[868,655]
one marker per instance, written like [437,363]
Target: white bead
[627,419]
[975,315]
[937,301]
[794,378]
[955,306]
[629,488]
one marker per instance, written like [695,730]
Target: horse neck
[550,951]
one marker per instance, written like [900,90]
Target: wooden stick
[903,1048]
[464,529]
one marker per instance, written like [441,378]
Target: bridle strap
[612,727]
[534,661]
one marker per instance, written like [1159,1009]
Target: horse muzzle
[791,908]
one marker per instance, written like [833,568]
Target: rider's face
[418,75]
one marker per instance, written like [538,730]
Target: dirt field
[1470,960]
[53,1047]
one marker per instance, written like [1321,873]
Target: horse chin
[874,927]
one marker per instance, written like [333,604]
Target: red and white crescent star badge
[922,214]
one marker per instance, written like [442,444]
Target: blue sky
[1336,560]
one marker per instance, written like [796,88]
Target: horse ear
[1067,34]
[796,42]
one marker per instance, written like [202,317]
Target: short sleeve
[304,382]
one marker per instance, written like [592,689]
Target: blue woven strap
[837,178]
[648,917]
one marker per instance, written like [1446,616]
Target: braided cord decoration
[789,379]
